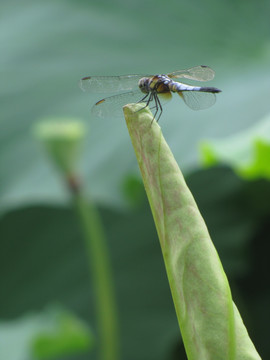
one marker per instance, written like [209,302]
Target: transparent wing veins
[199,73]
[197,100]
[107,84]
[112,106]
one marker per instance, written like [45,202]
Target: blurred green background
[45,48]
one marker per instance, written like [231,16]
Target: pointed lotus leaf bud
[210,323]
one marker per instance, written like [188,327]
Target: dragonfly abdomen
[210,89]
[177,87]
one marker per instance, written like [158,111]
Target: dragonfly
[151,90]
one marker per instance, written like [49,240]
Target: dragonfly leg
[148,101]
[158,105]
[142,99]
[152,96]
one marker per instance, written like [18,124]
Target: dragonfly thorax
[157,83]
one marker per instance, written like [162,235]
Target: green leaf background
[54,331]
[45,48]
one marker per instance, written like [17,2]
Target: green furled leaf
[210,323]
[247,152]
[54,332]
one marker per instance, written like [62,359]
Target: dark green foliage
[47,263]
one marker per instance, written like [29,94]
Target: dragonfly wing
[199,73]
[198,100]
[107,84]
[113,105]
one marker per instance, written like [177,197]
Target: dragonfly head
[144,85]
